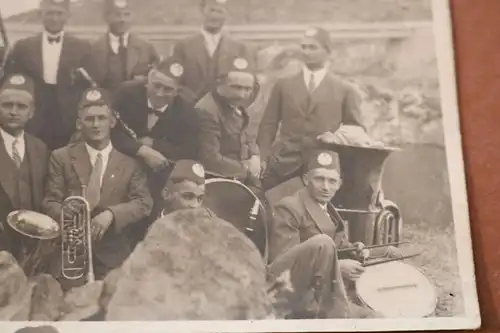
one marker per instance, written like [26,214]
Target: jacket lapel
[36,172]
[320,217]
[320,93]
[5,177]
[201,53]
[300,94]
[80,160]
[112,175]
[38,55]
[65,56]
[133,55]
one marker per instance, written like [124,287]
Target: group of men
[141,139]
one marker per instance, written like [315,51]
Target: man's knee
[322,244]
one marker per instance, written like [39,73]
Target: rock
[82,302]
[191,266]
[15,291]
[47,298]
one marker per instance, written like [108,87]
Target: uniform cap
[321,36]
[169,67]
[19,82]
[188,170]
[323,159]
[59,3]
[237,64]
[112,5]
[93,96]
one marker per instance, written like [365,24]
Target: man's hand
[152,158]
[360,253]
[393,252]
[147,141]
[70,208]
[329,138]
[100,224]
[253,166]
[351,269]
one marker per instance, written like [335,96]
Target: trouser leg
[318,289]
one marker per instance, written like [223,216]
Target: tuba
[76,242]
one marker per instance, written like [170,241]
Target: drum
[234,202]
[35,233]
[397,290]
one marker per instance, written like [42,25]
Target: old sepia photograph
[231,166]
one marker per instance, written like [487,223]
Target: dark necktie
[16,156]
[93,193]
[53,40]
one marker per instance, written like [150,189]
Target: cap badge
[221,1]
[324,159]
[58,1]
[240,64]
[121,3]
[311,32]
[17,80]
[93,95]
[198,170]
[176,69]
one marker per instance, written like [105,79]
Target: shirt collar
[9,139]
[162,109]
[104,152]
[47,35]
[209,35]
[116,39]
[318,73]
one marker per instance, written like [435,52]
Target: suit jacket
[302,117]
[197,63]
[223,144]
[297,218]
[124,192]
[141,55]
[174,134]
[26,57]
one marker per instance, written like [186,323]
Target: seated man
[185,187]
[304,239]
[115,186]
[226,148]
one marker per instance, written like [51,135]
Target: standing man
[51,58]
[162,123]
[116,186]
[205,54]
[226,148]
[119,55]
[304,238]
[304,107]
[23,158]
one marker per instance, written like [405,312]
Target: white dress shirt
[152,117]
[211,41]
[105,156]
[114,42]
[51,54]
[8,140]
[319,75]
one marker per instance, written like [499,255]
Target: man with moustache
[206,53]
[23,158]
[162,117]
[119,55]
[304,238]
[51,58]
[226,148]
[305,107]
[115,185]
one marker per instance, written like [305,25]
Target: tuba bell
[76,238]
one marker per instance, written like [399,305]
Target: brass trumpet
[76,243]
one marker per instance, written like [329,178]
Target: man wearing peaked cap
[205,53]
[119,55]
[161,114]
[23,157]
[305,107]
[185,187]
[305,236]
[50,58]
[226,147]
[115,185]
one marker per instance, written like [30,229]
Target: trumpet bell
[33,225]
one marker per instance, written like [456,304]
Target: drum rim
[435,296]
[233,181]
[22,232]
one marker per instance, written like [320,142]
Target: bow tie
[53,40]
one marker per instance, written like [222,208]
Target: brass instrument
[76,243]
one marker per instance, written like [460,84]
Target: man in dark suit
[51,58]
[304,106]
[119,55]
[116,187]
[304,238]
[206,53]
[23,158]
[226,148]
[162,124]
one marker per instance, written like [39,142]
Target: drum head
[232,201]
[33,224]
[397,290]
